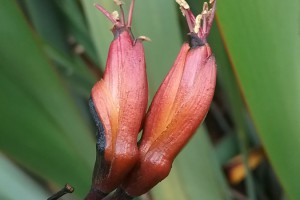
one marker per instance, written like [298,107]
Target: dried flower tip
[211,1]
[144,38]
[182,11]
[205,7]
[183,4]
[115,15]
[118,2]
[197,23]
[205,10]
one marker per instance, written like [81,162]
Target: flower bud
[118,104]
[178,108]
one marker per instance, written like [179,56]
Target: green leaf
[47,22]
[73,70]
[41,128]
[264,46]
[158,21]
[238,111]
[99,27]
[74,21]
[15,184]
[227,148]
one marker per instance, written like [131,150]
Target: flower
[179,106]
[118,104]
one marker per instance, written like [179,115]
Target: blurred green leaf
[99,27]
[238,111]
[46,20]
[227,148]
[75,22]
[15,184]
[156,26]
[158,21]
[264,47]
[73,70]
[38,114]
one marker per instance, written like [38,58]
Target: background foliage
[52,52]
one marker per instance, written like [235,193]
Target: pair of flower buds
[119,101]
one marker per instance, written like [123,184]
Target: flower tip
[182,11]
[118,2]
[183,4]
[201,24]
[197,23]
[115,15]
[144,38]
[97,5]
[205,7]
[106,13]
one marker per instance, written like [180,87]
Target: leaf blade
[267,71]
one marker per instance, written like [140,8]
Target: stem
[67,189]
[211,18]
[189,19]
[106,13]
[122,15]
[130,14]
[204,26]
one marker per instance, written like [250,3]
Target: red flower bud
[179,106]
[118,103]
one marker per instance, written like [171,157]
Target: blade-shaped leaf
[15,184]
[46,20]
[264,46]
[40,126]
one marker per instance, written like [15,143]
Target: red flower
[179,106]
[118,103]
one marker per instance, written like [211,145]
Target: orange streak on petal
[192,102]
[162,103]
[107,113]
[121,100]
